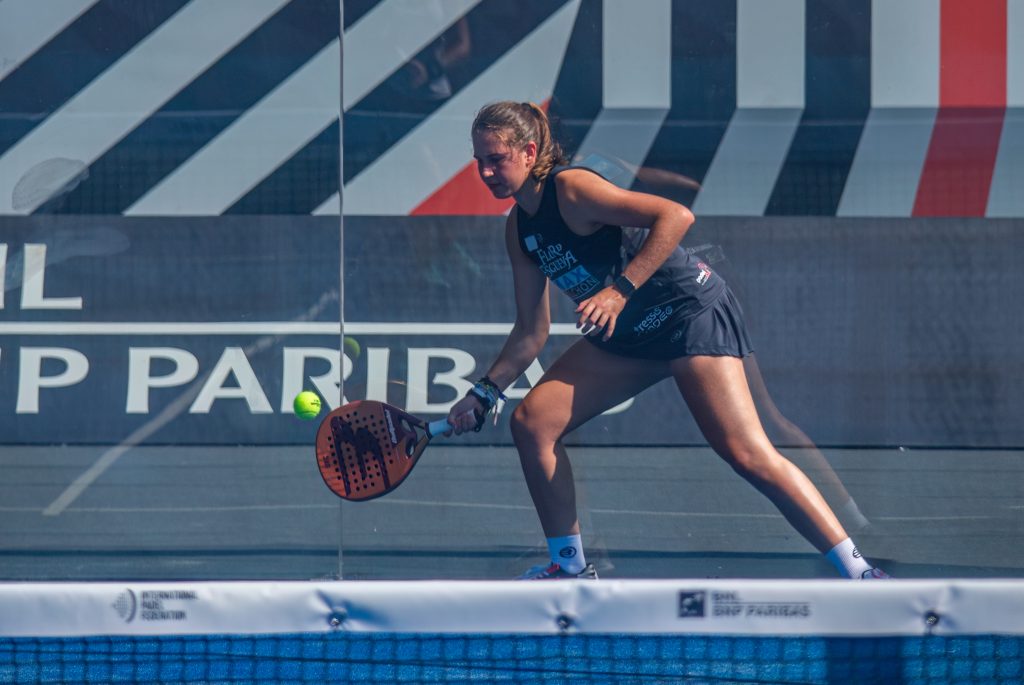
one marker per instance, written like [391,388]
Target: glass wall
[850,165]
[208,206]
[169,287]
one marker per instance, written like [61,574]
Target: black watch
[624,285]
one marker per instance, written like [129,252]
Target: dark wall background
[868,332]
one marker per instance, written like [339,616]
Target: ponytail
[516,124]
[549,152]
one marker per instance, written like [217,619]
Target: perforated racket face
[366,449]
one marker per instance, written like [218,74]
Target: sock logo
[856,553]
[567,552]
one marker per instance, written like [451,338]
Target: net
[568,632]
[510,658]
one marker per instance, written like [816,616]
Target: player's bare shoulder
[579,190]
[573,183]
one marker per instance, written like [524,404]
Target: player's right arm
[533,313]
[530,330]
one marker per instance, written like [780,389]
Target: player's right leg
[582,383]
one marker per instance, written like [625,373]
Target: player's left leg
[715,389]
[806,456]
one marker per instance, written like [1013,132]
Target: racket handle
[441,426]
[438,427]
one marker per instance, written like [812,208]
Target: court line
[266,328]
[473,505]
[108,458]
[680,514]
[617,512]
[934,518]
[164,510]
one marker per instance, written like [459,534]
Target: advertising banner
[188,330]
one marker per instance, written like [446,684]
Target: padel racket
[366,448]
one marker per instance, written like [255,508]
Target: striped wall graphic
[770,97]
[860,108]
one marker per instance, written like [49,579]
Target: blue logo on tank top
[574,279]
[576,282]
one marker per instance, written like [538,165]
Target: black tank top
[581,266]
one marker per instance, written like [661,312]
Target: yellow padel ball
[307,405]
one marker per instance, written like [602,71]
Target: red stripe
[961,157]
[973,53]
[465,193]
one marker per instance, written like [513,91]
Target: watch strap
[624,285]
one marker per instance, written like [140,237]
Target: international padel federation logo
[125,605]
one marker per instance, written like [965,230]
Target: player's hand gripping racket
[365,449]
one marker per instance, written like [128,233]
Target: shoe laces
[540,571]
[875,574]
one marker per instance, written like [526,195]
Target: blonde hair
[516,124]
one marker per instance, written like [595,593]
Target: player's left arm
[588,202]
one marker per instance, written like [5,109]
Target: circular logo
[567,552]
[125,605]
[676,336]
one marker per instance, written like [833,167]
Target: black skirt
[719,331]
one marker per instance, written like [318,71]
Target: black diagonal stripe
[838,97]
[73,58]
[391,110]
[301,184]
[577,96]
[355,9]
[703,89]
[208,105]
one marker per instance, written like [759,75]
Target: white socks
[567,552]
[846,557]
